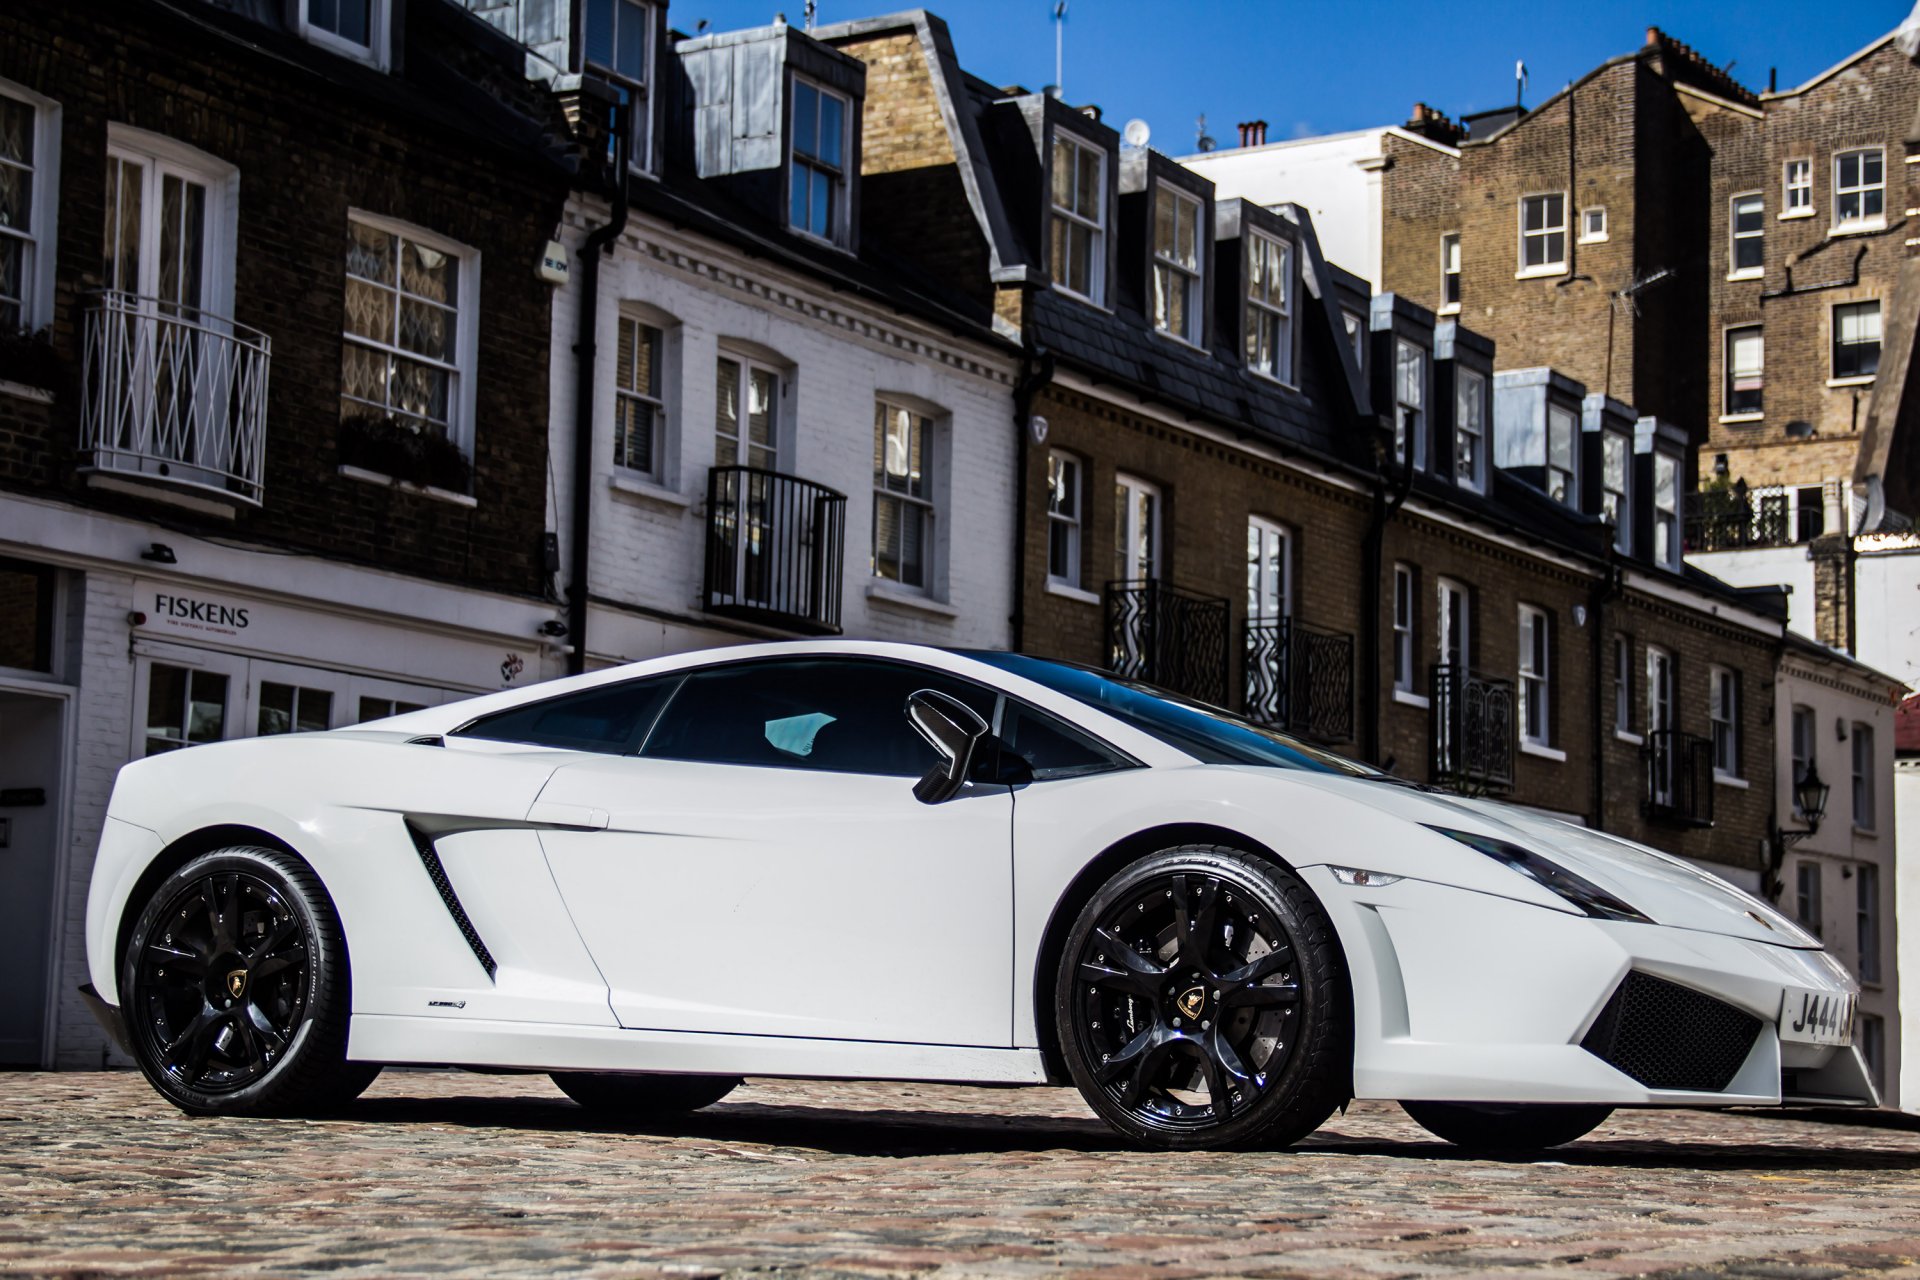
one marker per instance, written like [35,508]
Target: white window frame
[1268,322]
[1796,196]
[1728,337]
[1659,680]
[1128,490]
[639,88]
[1448,590]
[841,178]
[1866,922]
[1866,221]
[776,427]
[1623,686]
[927,503]
[1805,751]
[1406,612]
[1723,715]
[1095,227]
[1808,909]
[1470,388]
[1263,578]
[654,401]
[1589,232]
[1562,414]
[1543,233]
[376,53]
[1450,276]
[160,157]
[1190,277]
[1620,498]
[1666,520]
[1834,377]
[461,397]
[1409,405]
[1535,684]
[1863,791]
[43,208]
[1735,236]
[1066,524]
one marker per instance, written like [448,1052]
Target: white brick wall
[842,354]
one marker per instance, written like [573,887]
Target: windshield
[1210,734]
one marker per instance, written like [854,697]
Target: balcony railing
[174,396]
[1161,635]
[1679,777]
[775,546]
[1471,730]
[1738,517]
[1299,678]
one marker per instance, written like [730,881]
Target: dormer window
[1563,433]
[355,28]
[817,192]
[1270,306]
[1409,395]
[1615,467]
[1177,304]
[1470,429]
[1079,233]
[619,45]
[1666,511]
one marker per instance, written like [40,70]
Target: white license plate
[1816,1017]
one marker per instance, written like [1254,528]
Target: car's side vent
[1668,1036]
[430,858]
[427,740]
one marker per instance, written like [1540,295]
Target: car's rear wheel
[1518,1126]
[235,989]
[1202,1002]
[641,1098]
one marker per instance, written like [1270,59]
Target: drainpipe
[1604,590]
[585,349]
[1388,495]
[1036,371]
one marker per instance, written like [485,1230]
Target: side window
[836,715]
[610,719]
[1052,748]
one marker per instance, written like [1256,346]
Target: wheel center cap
[236,983]
[1191,1001]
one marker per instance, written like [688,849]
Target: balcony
[1299,678]
[1738,518]
[1679,778]
[1161,635]
[174,397]
[775,546]
[1471,730]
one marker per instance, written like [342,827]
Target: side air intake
[1668,1036]
[430,858]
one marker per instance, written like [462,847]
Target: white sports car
[841,859]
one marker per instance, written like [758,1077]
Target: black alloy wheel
[1203,1003]
[235,988]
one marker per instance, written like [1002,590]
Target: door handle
[550,813]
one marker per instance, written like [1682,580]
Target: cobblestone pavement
[443,1172]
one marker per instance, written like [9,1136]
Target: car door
[764,868]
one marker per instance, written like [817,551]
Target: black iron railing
[1164,636]
[1679,777]
[1729,519]
[1471,730]
[775,545]
[1299,678]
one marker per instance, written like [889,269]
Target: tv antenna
[1059,48]
[1202,140]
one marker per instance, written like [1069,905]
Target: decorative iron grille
[1161,635]
[1728,519]
[1299,678]
[775,546]
[1679,777]
[1471,730]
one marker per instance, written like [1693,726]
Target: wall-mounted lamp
[1840,728]
[1720,467]
[159,553]
[553,628]
[1810,798]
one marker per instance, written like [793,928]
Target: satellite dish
[1136,133]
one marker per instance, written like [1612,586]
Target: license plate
[1816,1017]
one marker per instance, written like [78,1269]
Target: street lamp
[1810,798]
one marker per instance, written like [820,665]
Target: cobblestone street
[440,1172]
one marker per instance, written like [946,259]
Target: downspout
[1603,590]
[1387,499]
[585,349]
[1036,371]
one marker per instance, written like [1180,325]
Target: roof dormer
[1075,203]
[1463,406]
[1166,244]
[1606,458]
[1536,416]
[1256,289]
[1400,365]
[1660,472]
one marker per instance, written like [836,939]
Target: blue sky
[1323,67]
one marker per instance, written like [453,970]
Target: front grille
[1669,1037]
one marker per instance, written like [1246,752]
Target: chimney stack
[1253,133]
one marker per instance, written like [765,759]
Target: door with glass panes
[1136,577]
[1269,606]
[749,518]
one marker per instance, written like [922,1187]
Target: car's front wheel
[1202,1002]
[1518,1126]
[642,1098]
[235,988]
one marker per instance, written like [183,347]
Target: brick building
[272,443]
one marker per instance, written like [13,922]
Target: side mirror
[955,732]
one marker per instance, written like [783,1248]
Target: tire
[1206,935]
[235,989]
[641,1098]
[1507,1126]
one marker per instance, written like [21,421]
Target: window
[1796,189]
[1063,519]
[1563,438]
[1615,475]
[1746,368]
[411,316]
[1536,648]
[619,41]
[1406,590]
[356,28]
[185,707]
[1177,296]
[1866,920]
[1623,684]
[1543,233]
[610,719]
[817,176]
[746,434]
[381,708]
[1409,393]
[1356,327]
[1079,217]
[1803,752]
[1723,712]
[1470,429]
[1270,307]
[28,600]
[836,715]
[1873,1047]
[1859,188]
[1748,230]
[1593,224]
[638,413]
[169,228]
[1806,896]
[1856,339]
[1666,510]
[29,143]
[1456,624]
[1659,690]
[1052,748]
[1863,814]
[286,708]
[1136,529]
[1809,513]
[903,535]
[1450,271]
[1269,571]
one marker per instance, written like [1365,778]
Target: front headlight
[1549,875]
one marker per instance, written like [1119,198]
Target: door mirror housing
[955,732]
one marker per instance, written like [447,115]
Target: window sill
[1081,298]
[1631,739]
[1407,698]
[1852,382]
[1751,273]
[21,391]
[1548,271]
[1866,833]
[1792,214]
[1072,593]
[1544,752]
[424,490]
[1858,228]
[1743,417]
[1728,780]
[1275,379]
[1188,343]
[634,487]
[907,599]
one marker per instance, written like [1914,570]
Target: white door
[766,870]
[1136,567]
[1269,604]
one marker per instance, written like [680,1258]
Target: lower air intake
[1668,1036]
